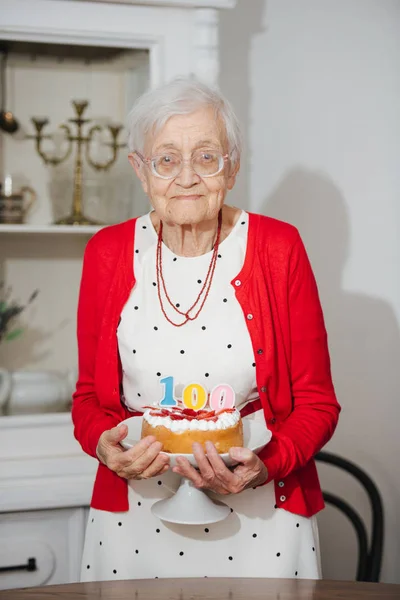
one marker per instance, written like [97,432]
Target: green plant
[9,311]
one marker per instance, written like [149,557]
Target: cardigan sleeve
[89,418]
[315,409]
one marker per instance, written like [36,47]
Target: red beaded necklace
[203,294]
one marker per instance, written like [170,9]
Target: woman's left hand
[214,475]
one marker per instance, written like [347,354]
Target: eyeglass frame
[149,163]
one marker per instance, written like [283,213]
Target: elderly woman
[209,293]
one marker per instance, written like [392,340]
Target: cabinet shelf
[51,229]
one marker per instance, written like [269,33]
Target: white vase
[30,392]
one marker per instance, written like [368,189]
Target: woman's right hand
[142,461]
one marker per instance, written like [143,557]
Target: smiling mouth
[189,197]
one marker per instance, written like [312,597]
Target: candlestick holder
[83,143]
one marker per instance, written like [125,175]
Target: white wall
[316,85]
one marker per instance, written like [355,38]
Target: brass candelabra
[77,217]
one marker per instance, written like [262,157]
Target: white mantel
[181,35]
[42,466]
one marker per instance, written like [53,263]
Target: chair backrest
[369,555]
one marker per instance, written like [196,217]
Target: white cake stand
[189,505]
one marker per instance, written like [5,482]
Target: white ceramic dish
[189,505]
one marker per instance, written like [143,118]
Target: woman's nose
[188,176]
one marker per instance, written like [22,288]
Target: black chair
[369,555]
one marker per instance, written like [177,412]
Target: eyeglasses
[170,164]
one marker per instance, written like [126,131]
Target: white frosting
[225,420]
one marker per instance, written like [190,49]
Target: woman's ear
[137,165]
[232,175]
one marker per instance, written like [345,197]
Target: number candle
[168,399]
[222,396]
[194,396]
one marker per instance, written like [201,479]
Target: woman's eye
[167,160]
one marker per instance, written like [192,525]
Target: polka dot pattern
[134,544]
[212,349]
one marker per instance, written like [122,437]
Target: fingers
[140,449]
[109,440]
[134,462]
[211,466]
[109,443]
[243,455]
[214,475]
[252,473]
[116,434]
[159,466]
[217,469]
[185,469]
[131,463]
[206,477]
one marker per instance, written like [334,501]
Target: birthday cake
[177,428]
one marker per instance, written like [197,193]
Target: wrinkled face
[188,198]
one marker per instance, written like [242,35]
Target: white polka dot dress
[256,539]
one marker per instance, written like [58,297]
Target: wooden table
[210,589]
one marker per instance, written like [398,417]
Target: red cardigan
[278,295]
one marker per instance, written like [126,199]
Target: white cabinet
[42,466]
[45,488]
[41,547]
[106,52]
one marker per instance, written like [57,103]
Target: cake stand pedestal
[190,506]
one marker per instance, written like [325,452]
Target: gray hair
[181,96]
